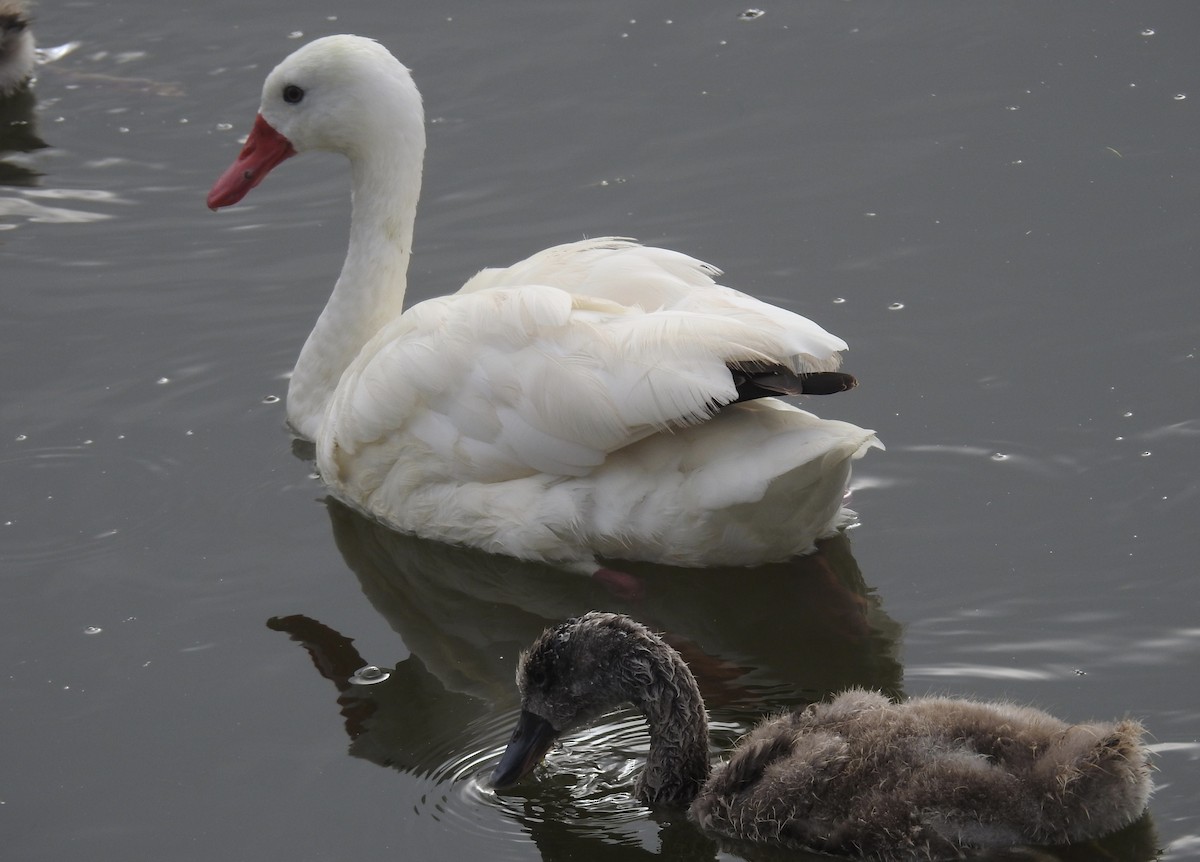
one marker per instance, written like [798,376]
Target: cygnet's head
[572,674]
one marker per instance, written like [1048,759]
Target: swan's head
[342,94]
[573,673]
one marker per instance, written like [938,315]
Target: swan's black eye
[292,94]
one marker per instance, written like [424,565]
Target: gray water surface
[995,204]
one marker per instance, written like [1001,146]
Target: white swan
[573,405]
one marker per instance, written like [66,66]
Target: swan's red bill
[264,149]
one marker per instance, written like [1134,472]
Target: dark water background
[995,204]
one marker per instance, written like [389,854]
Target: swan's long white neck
[369,292]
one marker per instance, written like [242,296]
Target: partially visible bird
[16,45]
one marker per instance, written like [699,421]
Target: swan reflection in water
[758,640]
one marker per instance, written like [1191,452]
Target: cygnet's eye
[292,94]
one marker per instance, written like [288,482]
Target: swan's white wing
[653,279]
[500,383]
[616,268]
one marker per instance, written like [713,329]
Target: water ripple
[584,786]
[49,521]
[977,671]
[32,211]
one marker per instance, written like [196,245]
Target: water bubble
[21,438]
[838,300]
[896,306]
[369,675]
[1127,413]
[270,399]
[1012,107]
[163,381]
[999,456]
[1149,31]
[1146,454]
[92,630]
[296,34]
[1179,97]
[224,127]
[751,14]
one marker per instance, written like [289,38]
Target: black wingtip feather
[766,382]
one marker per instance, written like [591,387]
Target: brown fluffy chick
[856,775]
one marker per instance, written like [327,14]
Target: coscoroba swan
[858,774]
[599,398]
